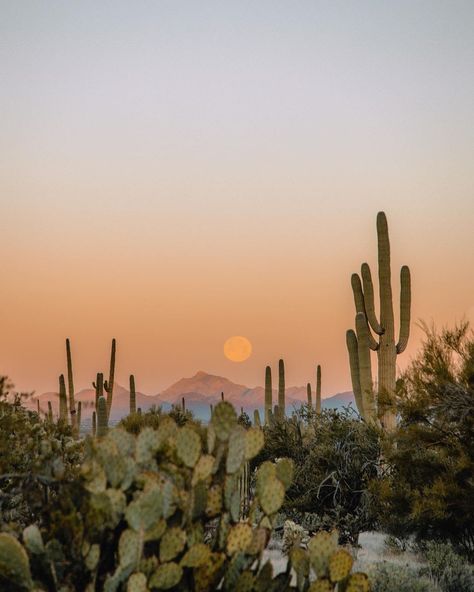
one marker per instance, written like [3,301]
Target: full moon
[237,348]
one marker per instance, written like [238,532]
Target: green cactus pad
[254,441]
[129,548]
[156,531]
[211,438]
[147,444]
[172,544]
[284,471]
[206,577]
[203,468]
[14,564]
[223,420]
[320,548]
[214,501]
[92,557]
[266,471]
[239,538]
[340,565]
[33,540]
[236,452]
[358,582]
[188,446]
[137,583]
[245,582]
[321,585]
[124,441]
[166,576]
[145,510]
[94,474]
[271,496]
[196,556]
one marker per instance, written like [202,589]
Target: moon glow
[237,348]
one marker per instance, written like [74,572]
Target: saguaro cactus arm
[405,307]
[353,350]
[365,368]
[360,306]
[369,304]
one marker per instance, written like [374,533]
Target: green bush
[428,488]
[387,577]
[448,569]
[335,457]
[35,455]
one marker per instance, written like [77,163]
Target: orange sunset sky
[174,173]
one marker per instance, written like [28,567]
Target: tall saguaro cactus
[318,389]
[70,384]
[268,394]
[109,384]
[102,418]
[378,406]
[281,388]
[133,395]
[62,400]
[99,388]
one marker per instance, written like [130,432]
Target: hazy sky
[174,173]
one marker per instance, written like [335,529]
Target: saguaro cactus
[133,395]
[309,395]
[318,389]
[281,388]
[109,385]
[94,423]
[102,418]
[268,394]
[62,400]
[256,418]
[378,406]
[79,416]
[70,384]
[99,388]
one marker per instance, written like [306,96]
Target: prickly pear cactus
[161,510]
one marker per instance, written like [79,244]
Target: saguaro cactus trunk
[109,385]
[281,388]
[309,395]
[268,394]
[133,395]
[62,400]
[102,419]
[378,406]
[70,383]
[318,389]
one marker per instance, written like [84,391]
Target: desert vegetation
[164,501]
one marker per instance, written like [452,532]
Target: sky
[175,173]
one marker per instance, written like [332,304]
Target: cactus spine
[268,394]
[109,385]
[62,400]
[102,419]
[308,394]
[318,389]
[133,395]
[70,384]
[378,406]
[281,388]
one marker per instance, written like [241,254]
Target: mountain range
[199,392]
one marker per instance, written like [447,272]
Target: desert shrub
[152,418]
[162,510]
[428,488]
[244,420]
[448,569]
[335,457]
[387,577]
[35,455]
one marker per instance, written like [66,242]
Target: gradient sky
[174,173]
